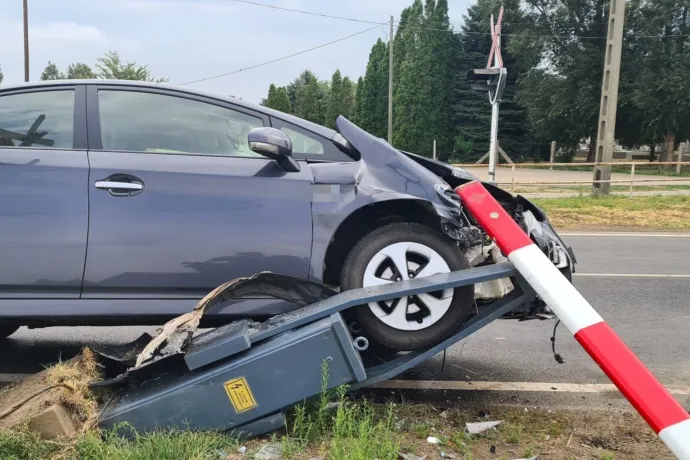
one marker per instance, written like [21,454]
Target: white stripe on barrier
[554,288]
[677,438]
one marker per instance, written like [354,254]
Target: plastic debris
[433,440]
[480,427]
[536,457]
[445,455]
[270,452]
[242,449]
[410,456]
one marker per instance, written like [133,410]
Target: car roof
[318,129]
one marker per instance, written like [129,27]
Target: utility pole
[390,83]
[26,41]
[609,97]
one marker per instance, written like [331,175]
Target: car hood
[387,168]
[417,175]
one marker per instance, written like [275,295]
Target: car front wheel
[403,251]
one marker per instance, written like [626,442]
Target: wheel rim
[402,261]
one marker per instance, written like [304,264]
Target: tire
[7,330]
[427,319]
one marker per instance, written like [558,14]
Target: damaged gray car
[127,202]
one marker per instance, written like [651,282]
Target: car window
[307,145]
[39,120]
[158,123]
[302,143]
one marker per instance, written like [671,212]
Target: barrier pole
[646,394]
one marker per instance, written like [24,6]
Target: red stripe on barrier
[492,217]
[647,395]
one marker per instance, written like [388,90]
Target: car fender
[333,203]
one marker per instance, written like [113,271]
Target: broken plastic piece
[480,427]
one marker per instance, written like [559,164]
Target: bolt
[411,275]
[494,215]
[397,278]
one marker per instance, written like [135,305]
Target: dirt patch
[65,383]
[565,434]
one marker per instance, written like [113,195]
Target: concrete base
[53,422]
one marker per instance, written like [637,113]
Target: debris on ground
[480,427]
[271,451]
[56,401]
[433,440]
[410,457]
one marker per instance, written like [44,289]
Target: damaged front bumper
[480,249]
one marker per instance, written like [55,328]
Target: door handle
[120,185]
[108,185]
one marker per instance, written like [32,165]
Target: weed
[513,433]
[420,429]
[463,442]
[606,455]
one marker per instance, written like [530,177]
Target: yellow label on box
[240,395]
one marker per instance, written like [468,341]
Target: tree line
[109,66]
[554,52]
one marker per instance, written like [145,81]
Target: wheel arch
[368,218]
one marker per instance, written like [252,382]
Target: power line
[539,36]
[311,13]
[279,59]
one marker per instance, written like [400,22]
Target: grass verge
[364,431]
[653,212]
[356,429]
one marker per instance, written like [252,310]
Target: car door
[43,192]
[178,202]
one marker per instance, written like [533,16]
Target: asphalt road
[639,283]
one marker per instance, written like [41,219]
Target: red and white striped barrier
[647,395]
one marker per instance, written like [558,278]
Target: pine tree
[305,77]
[271,96]
[277,99]
[373,116]
[407,100]
[335,100]
[347,105]
[424,86]
[359,103]
[309,100]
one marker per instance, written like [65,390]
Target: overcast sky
[187,40]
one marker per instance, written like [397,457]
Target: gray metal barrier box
[253,386]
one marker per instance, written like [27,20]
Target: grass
[655,212]
[353,428]
[361,430]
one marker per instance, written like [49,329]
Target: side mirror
[274,144]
